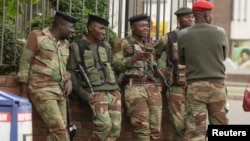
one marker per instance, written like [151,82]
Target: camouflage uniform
[106,104]
[142,98]
[45,75]
[206,90]
[204,97]
[176,96]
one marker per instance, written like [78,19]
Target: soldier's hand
[148,54]
[117,46]
[140,56]
[68,87]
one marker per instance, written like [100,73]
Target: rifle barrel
[84,75]
[162,77]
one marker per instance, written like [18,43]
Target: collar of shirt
[46,32]
[141,44]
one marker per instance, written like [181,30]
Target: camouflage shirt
[122,59]
[43,62]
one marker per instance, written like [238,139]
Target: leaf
[28,1]
[11,8]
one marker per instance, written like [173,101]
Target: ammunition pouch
[179,79]
[175,71]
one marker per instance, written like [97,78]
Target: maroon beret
[200,5]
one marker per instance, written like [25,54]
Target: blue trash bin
[15,118]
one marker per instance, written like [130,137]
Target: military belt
[137,80]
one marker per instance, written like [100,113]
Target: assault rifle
[162,77]
[71,127]
[154,69]
[85,77]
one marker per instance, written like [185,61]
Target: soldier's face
[97,30]
[186,20]
[140,28]
[67,29]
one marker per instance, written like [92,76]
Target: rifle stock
[85,77]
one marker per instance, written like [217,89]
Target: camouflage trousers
[204,99]
[144,107]
[176,104]
[53,112]
[106,107]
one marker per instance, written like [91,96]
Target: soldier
[175,73]
[206,92]
[43,76]
[94,55]
[143,100]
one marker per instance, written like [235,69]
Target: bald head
[203,16]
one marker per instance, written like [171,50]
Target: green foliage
[77,11]
[81,15]
[28,1]
[11,7]
[12,41]
[112,38]
[12,49]
[10,53]
[37,23]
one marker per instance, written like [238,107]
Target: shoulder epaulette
[182,32]
[221,29]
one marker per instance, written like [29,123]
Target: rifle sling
[172,38]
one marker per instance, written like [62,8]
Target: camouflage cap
[98,19]
[65,17]
[183,11]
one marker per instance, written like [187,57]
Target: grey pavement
[236,114]
[235,90]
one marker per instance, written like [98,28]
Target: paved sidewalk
[235,90]
[235,96]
